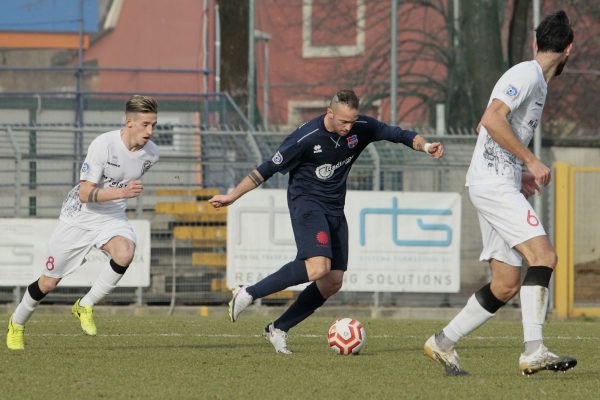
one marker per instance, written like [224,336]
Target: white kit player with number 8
[510,227]
[93,215]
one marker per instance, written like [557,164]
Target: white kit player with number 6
[510,228]
[93,214]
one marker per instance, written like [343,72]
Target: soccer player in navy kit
[318,156]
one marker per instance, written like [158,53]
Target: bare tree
[438,63]
[572,106]
[448,59]
[519,31]
[234,49]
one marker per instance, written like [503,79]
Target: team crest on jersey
[277,158]
[352,141]
[317,149]
[85,167]
[511,91]
[146,166]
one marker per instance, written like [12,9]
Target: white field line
[310,336]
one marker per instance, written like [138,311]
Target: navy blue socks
[291,274]
[307,302]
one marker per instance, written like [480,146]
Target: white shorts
[69,245]
[506,219]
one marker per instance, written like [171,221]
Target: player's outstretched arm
[435,149]
[89,192]
[251,181]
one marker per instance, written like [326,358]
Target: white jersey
[523,89]
[109,164]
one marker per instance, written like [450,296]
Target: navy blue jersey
[319,161]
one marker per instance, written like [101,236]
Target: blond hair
[141,104]
[347,97]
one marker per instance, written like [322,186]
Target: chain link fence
[38,166]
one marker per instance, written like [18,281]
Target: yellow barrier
[186,207]
[218,285]
[201,192]
[200,232]
[562,240]
[216,260]
[565,219]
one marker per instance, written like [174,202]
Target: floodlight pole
[537,137]
[265,37]
[251,65]
[217,49]
[78,142]
[205,43]
[393,63]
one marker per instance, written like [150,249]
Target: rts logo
[394,212]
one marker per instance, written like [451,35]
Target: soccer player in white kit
[93,214]
[510,227]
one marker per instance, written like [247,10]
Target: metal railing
[37,162]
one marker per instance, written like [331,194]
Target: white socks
[534,304]
[25,309]
[471,317]
[104,284]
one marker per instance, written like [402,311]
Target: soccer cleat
[544,359]
[15,338]
[85,315]
[448,358]
[239,302]
[278,339]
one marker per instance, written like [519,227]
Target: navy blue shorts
[318,234]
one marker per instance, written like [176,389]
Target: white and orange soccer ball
[347,336]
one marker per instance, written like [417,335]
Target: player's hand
[540,172]
[220,200]
[528,185]
[436,150]
[133,189]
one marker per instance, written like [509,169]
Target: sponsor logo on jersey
[511,91]
[326,171]
[317,149]
[113,164]
[277,158]
[146,166]
[352,141]
[111,183]
[533,123]
[85,167]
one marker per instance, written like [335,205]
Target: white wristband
[426,147]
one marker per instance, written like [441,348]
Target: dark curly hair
[554,33]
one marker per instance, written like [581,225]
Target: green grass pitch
[211,358]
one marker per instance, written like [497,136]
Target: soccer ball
[347,336]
